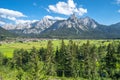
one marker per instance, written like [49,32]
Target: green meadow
[8,48]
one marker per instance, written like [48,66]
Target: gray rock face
[30,27]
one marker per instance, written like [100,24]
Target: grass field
[8,48]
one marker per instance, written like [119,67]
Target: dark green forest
[73,61]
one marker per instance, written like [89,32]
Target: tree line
[87,61]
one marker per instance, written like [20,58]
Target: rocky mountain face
[72,27]
[30,27]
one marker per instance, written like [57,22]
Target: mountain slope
[74,28]
[30,27]
[4,33]
[114,30]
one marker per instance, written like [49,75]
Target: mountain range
[73,27]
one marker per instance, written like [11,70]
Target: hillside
[4,34]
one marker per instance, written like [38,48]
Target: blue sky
[19,11]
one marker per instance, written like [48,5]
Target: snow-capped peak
[31,27]
[87,21]
[73,18]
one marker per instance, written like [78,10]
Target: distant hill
[4,34]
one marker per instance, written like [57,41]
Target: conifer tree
[93,61]
[72,49]
[58,62]
[117,71]
[42,53]
[101,61]
[35,65]
[110,60]
[62,60]
[18,58]
[86,61]
[1,58]
[49,59]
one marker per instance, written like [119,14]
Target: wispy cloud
[54,18]
[34,4]
[119,11]
[67,8]
[11,13]
[20,21]
[2,23]
[14,16]
[8,17]
[118,1]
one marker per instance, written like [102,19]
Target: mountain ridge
[73,27]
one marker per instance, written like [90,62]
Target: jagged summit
[87,21]
[73,18]
[30,27]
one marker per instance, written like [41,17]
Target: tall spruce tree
[110,60]
[93,61]
[62,61]
[69,59]
[49,59]
[41,53]
[101,61]
[117,71]
[35,65]
[73,61]
[19,58]
[86,61]
[1,58]
[58,60]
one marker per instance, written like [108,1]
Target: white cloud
[11,13]
[17,21]
[8,17]
[81,11]
[118,1]
[2,23]
[13,16]
[34,4]
[119,10]
[54,18]
[71,4]
[25,21]
[48,10]
[67,8]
